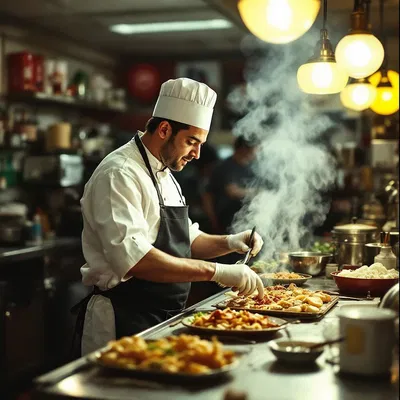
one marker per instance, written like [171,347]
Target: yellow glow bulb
[278,21]
[360,54]
[358,96]
[387,98]
[321,78]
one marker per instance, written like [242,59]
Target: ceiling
[87,22]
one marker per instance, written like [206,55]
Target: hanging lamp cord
[382,33]
[367,4]
[325,14]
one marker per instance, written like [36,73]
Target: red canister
[38,72]
[21,72]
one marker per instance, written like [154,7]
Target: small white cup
[369,340]
[329,269]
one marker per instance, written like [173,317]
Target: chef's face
[180,149]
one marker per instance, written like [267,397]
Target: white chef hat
[187,101]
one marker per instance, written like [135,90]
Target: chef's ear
[164,129]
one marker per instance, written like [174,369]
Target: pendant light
[358,95]
[387,92]
[321,74]
[360,53]
[386,82]
[278,21]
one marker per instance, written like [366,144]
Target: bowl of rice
[376,280]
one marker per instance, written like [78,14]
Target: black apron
[139,304]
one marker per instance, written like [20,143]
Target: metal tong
[247,257]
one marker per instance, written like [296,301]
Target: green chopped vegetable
[323,247]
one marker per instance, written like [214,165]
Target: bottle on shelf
[37,236]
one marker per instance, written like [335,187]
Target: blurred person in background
[229,184]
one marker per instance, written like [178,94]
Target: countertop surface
[259,375]
[8,254]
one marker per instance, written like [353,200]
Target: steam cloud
[296,165]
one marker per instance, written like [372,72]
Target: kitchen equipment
[350,240]
[11,234]
[308,262]
[294,351]
[394,242]
[329,269]
[326,343]
[58,137]
[247,257]
[303,315]
[53,170]
[386,257]
[369,340]
[363,286]
[391,299]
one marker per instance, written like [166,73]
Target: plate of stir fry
[237,322]
[182,356]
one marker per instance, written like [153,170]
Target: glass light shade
[278,21]
[358,96]
[321,78]
[360,54]
[387,98]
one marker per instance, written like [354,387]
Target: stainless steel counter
[17,253]
[259,374]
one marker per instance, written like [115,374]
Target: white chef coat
[121,217]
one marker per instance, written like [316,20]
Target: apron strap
[178,188]
[146,161]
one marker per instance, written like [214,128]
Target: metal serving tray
[282,313]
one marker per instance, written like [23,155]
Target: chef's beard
[168,156]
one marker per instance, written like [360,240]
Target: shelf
[41,99]
[10,150]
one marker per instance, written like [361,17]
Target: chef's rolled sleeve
[119,220]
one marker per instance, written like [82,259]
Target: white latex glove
[240,277]
[239,242]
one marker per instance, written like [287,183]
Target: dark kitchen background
[72,91]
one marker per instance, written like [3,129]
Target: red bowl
[349,266]
[360,286]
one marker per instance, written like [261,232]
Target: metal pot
[11,234]
[350,241]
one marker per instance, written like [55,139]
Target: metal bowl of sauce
[295,351]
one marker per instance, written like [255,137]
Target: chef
[141,249]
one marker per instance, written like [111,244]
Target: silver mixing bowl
[309,262]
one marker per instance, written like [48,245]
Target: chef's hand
[240,277]
[239,242]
